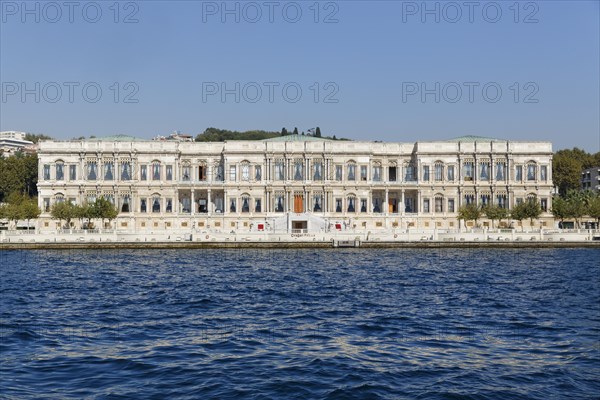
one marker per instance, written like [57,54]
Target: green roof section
[295,138]
[118,138]
[474,138]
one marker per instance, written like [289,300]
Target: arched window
[376,171]
[245,169]
[351,170]
[186,171]
[156,203]
[531,171]
[246,203]
[351,203]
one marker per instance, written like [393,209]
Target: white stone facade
[293,183]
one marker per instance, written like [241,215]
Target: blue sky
[367,70]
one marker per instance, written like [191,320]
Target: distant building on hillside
[14,141]
[175,136]
[590,179]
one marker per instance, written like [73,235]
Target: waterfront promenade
[301,238]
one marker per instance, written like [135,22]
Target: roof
[295,138]
[118,138]
[473,138]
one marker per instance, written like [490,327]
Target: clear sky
[366,70]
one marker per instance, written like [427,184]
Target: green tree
[533,210]
[594,208]
[577,209]
[469,212]
[560,208]
[284,132]
[318,132]
[30,210]
[519,213]
[64,210]
[567,165]
[295,131]
[495,212]
[104,209]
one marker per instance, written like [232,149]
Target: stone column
[209,203]
[401,205]
[193,210]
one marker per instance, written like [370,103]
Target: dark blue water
[304,324]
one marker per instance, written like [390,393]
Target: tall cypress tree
[295,131]
[318,132]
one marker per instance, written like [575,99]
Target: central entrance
[299,226]
[298,204]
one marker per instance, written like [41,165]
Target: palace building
[293,183]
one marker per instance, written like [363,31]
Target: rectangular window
[500,173]
[426,205]
[338,173]
[108,171]
[501,200]
[317,171]
[451,205]
[338,205]
[409,174]
[363,205]
[143,205]
[377,173]
[185,173]
[143,172]
[245,172]
[156,172]
[257,205]
[46,204]
[73,172]
[46,172]
[451,173]
[258,173]
[279,171]
[60,174]
[232,204]
[519,173]
[439,172]
[544,173]
[363,173]
[298,170]
[484,199]
[392,174]
[232,173]
[318,203]
[169,172]
[544,204]
[426,173]
[202,173]
[468,171]
[91,171]
[484,171]
[125,171]
[279,203]
[169,207]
